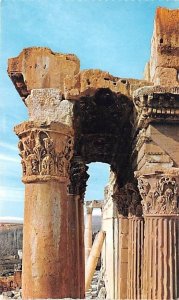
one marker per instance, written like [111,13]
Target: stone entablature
[46,151]
[38,68]
[156,104]
[41,68]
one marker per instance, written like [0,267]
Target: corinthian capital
[159,192]
[45,151]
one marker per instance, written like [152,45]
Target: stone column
[88,232]
[93,258]
[73,250]
[135,251]
[130,251]
[81,249]
[135,242]
[46,151]
[159,192]
[77,186]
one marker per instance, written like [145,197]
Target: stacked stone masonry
[82,116]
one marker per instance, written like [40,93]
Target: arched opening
[99,176]
[102,121]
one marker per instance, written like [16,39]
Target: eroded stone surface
[39,67]
[164,61]
[47,105]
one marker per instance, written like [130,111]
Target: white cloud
[5,157]
[13,220]
[8,193]
[8,146]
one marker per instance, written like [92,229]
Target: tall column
[88,232]
[46,151]
[131,235]
[135,251]
[135,242]
[81,249]
[159,192]
[77,187]
[73,251]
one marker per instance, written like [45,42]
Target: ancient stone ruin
[82,116]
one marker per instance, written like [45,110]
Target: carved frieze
[127,200]
[155,104]
[41,156]
[159,194]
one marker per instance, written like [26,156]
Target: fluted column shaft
[160,272]
[160,275]
[135,253]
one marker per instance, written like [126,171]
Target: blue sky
[111,35]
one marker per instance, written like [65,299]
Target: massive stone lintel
[37,68]
[40,68]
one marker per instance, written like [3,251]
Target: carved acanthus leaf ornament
[41,159]
[127,200]
[78,178]
[160,196]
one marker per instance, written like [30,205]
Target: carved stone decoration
[155,104]
[42,157]
[159,194]
[78,178]
[127,200]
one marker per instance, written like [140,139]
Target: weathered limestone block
[156,147]
[37,68]
[166,76]
[88,81]
[164,61]
[46,105]
[40,68]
